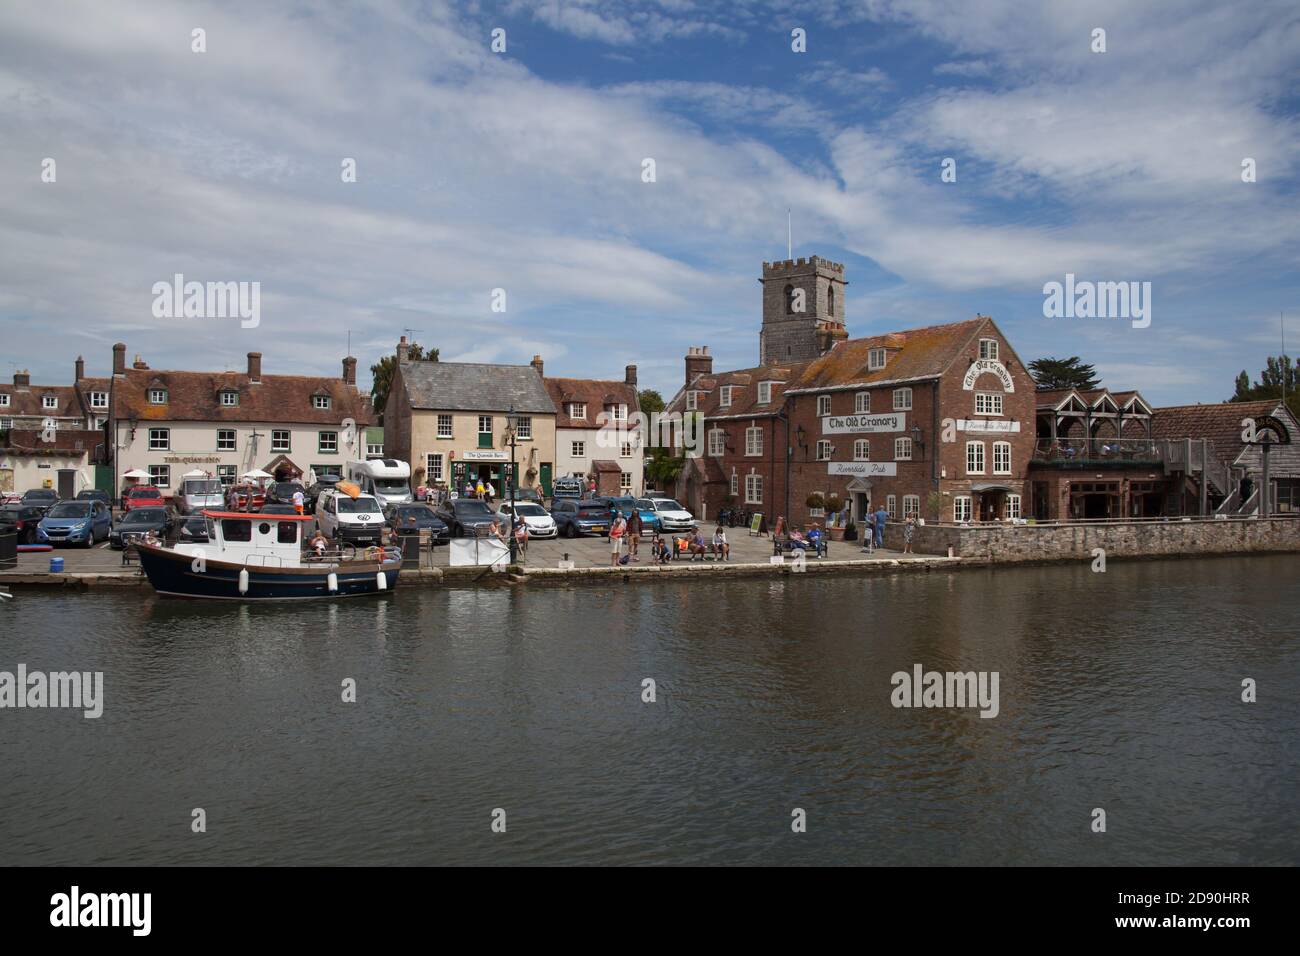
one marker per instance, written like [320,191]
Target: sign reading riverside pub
[863,469]
[992,367]
[864,424]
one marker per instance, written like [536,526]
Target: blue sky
[522,171]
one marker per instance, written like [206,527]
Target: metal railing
[1097,450]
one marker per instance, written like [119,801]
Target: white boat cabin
[243,538]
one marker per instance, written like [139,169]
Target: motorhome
[388,479]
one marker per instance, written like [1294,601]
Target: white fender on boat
[332,582]
[243,580]
[381,581]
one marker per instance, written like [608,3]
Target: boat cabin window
[288,532]
[237,529]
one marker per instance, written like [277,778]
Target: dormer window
[577,409]
[692,400]
[229,398]
[50,401]
[157,396]
[320,401]
[618,412]
[99,399]
[764,392]
[989,349]
[875,359]
[4,401]
[724,396]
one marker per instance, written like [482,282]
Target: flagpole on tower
[789,234]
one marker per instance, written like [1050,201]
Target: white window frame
[891,507]
[764,393]
[823,406]
[1002,450]
[753,489]
[724,396]
[861,449]
[321,401]
[578,410]
[911,506]
[862,403]
[617,412]
[97,400]
[481,429]
[49,401]
[226,474]
[975,458]
[875,359]
[717,443]
[625,450]
[523,428]
[625,480]
[692,400]
[160,476]
[733,486]
[989,349]
[988,403]
[754,441]
[902,449]
[961,509]
[160,439]
[446,426]
[824,449]
[230,443]
[902,399]
[4,400]
[1013,506]
[433,467]
[157,396]
[229,398]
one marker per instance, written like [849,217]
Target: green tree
[1280,375]
[1052,373]
[382,375]
[663,468]
[651,401]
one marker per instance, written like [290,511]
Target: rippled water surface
[1119,690]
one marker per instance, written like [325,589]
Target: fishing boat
[255,557]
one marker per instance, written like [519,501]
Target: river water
[1120,691]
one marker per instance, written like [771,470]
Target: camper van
[388,479]
[195,494]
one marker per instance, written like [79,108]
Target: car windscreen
[40,494]
[145,493]
[144,516]
[419,513]
[202,486]
[392,486]
[667,504]
[471,508]
[352,506]
[594,509]
[70,509]
[532,511]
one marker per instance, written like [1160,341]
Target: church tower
[803,309]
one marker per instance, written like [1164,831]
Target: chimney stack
[22,379]
[254,366]
[140,363]
[81,369]
[119,359]
[629,375]
[537,364]
[698,362]
[350,370]
[402,350]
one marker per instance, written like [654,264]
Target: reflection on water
[1118,690]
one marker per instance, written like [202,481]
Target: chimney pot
[402,350]
[537,364]
[22,379]
[698,362]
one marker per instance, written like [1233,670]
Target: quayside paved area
[585,553]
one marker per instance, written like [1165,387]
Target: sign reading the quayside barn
[863,469]
[992,367]
[860,424]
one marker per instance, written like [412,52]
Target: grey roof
[471,387]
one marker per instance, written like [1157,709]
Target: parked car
[412,518]
[281,493]
[246,497]
[670,515]
[22,519]
[540,524]
[95,494]
[570,486]
[75,522]
[195,494]
[314,490]
[43,498]
[625,507]
[142,496]
[193,530]
[573,518]
[344,518]
[465,515]
[137,522]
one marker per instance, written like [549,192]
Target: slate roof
[1220,423]
[473,387]
[594,393]
[196,397]
[914,354]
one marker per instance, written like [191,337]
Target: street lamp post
[511,421]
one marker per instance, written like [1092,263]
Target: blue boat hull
[174,575]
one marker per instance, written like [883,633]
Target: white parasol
[136,473]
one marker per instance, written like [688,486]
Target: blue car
[649,520]
[75,522]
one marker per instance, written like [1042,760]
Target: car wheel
[571,531]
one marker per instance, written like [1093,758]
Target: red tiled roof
[744,398]
[29,401]
[1220,423]
[915,354]
[67,441]
[195,396]
[592,392]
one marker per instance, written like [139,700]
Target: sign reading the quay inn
[993,367]
[860,424]
[481,455]
[863,469]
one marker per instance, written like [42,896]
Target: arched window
[789,300]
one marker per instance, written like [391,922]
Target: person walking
[490,490]
[869,533]
[616,531]
[634,529]
[299,500]
[909,527]
[881,517]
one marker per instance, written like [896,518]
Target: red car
[238,496]
[142,496]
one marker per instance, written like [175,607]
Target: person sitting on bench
[720,546]
[698,547]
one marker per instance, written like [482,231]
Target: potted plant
[850,531]
[834,525]
[815,502]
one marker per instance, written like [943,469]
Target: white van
[343,518]
[195,494]
[388,479]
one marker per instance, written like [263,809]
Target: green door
[546,479]
[104,478]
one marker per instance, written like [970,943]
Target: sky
[522,171]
